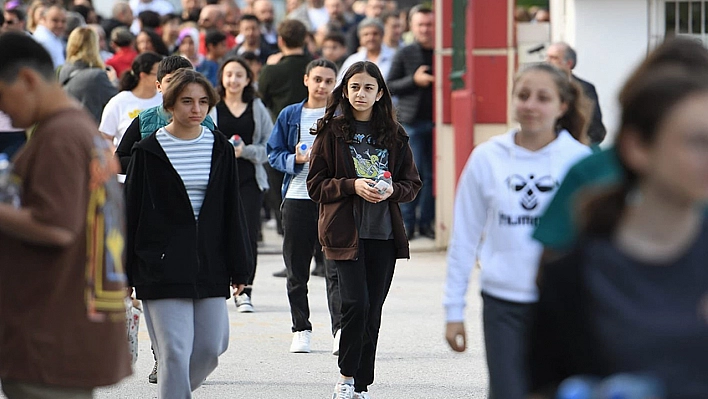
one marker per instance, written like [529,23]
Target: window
[687,18]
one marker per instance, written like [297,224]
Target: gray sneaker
[152,378]
[343,391]
[361,395]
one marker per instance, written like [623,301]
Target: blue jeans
[421,211]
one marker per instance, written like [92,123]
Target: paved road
[413,360]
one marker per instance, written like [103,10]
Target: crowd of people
[159,139]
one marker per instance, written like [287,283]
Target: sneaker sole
[244,309]
[300,351]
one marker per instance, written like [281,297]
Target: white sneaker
[301,342]
[343,391]
[243,304]
[335,344]
[361,395]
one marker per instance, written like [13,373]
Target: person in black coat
[564,57]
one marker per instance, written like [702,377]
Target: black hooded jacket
[169,253]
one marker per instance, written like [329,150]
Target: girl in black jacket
[187,237]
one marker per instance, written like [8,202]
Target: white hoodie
[501,194]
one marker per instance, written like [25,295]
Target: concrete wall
[611,38]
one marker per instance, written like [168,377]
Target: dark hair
[83,10]
[384,126]
[213,37]
[20,50]
[169,17]
[321,62]
[249,17]
[170,64]
[677,69]
[386,15]
[17,12]
[142,63]
[420,8]
[157,43]
[293,33]
[335,37]
[577,116]
[149,19]
[122,37]
[180,80]
[249,92]
[250,56]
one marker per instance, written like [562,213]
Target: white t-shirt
[121,110]
[318,17]
[298,186]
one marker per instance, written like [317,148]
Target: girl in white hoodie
[504,189]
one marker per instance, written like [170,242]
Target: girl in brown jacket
[360,227]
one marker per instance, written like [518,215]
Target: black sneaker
[282,273]
[319,270]
[152,378]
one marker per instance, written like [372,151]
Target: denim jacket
[282,142]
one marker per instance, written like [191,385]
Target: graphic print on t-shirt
[369,160]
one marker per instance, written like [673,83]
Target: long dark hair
[249,92]
[384,126]
[157,43]
[674,71]
[142,63]
[577,117]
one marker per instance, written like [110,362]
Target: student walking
[504,188]
[290,133]
[240,112]
[631,296]
[361,228]
[187,236]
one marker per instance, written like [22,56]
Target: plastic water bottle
[383,182]
[302,149]
[631,386]
[236,140]
[578,387]
[9,189]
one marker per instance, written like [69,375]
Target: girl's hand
[364,188]
[238,150]
[388,192]
[238,288]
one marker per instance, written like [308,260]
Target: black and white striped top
[192,161]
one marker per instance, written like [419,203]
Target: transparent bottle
[631,386]
[578,387]
[236,140]
[302,148]
[383,182]
[9,187]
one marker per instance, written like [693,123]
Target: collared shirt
[383,62]
[52,43]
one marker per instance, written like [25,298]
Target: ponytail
[142,63]
[577,117]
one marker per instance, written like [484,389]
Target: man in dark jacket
[411,80]
[564,57]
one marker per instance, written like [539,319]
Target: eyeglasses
[11,21]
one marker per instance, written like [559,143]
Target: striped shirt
[192,161]
[298,186]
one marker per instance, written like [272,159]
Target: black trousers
[299,239]
[363,285]
[252,200]
[273,198]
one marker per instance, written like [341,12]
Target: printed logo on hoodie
[530,190]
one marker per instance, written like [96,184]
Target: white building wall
[611,37]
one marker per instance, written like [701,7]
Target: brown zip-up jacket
[330,182]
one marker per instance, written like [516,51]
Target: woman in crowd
[188,46]
[361,228]
[503,190]
[137,92]
[632,296]
[84,75]
[148,40]
[240,112]
[187,240]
